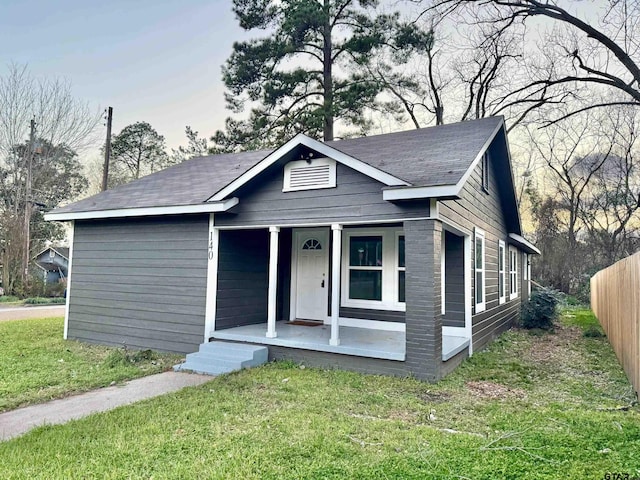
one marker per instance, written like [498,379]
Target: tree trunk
[327,74]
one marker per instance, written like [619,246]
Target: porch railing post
[336,231]
[273,281]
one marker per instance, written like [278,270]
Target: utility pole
[107,150]
[28,205]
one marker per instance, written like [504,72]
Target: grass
[534,407]
[37,365]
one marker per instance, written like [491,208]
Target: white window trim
[390,239]
[331,183]
[502,249]
[513,273]
[480,306]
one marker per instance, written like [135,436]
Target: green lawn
[533,407]
[36,364]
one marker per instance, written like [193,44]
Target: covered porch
[328,288]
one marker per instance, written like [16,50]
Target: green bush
[44,301]
[541,309]
[8,299]
[593,331]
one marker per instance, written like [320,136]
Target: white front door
[312,274]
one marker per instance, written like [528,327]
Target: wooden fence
[615,299]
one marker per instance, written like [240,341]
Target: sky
[157,61]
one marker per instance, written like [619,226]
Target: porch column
[273,281]
[423,316]
[336,231]
[213,243]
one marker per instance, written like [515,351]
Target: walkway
[17,422]
[22,313]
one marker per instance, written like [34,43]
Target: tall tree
[137,151]
[63,124]
[309,71]
[578,51]
[56,178]
[196,147]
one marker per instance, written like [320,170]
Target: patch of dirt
[434,397]
[402,415]
[494,390]
[553,347]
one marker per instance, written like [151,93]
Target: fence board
[615,300]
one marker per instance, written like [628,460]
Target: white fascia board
[420,192]
[144,211]
[319,147]
[523,243]
[443,190]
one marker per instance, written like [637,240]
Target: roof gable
[323,149]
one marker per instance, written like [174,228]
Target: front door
[312,274]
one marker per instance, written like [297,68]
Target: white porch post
[212,279]
[273,281]
[69,267]
[336,231]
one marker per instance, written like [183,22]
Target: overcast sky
[151,60]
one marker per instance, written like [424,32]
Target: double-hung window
[513,273]
[479,271]
[373,269]
[502,284]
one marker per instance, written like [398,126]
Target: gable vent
[300,175]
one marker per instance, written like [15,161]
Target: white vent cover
[303,175]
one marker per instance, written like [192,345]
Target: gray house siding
[369,314]
[243,278]
[479,209]
[356,197]
[140,282]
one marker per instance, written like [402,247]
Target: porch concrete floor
[361,342]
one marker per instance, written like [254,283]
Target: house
[54,263]
[405,249]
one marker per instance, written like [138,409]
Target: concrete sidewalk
[23,313]
[17,422]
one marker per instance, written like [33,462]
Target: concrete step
[214,358]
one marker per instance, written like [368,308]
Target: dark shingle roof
[423,157]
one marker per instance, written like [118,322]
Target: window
[480,271]
[485,172]
[513,273]
[374,269]
[501,272]
[365,268]
[401,268]
[525,266]
[312,244]
[309,175]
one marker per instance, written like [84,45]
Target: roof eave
[210,207]
[523,244]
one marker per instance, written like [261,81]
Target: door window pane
[365,284]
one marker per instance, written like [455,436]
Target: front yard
[536,407]
[37,365]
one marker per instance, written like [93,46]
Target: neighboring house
[54,263]
[406,247]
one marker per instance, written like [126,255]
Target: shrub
[8,299]
[541,309]
[44,301]
[593,331]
